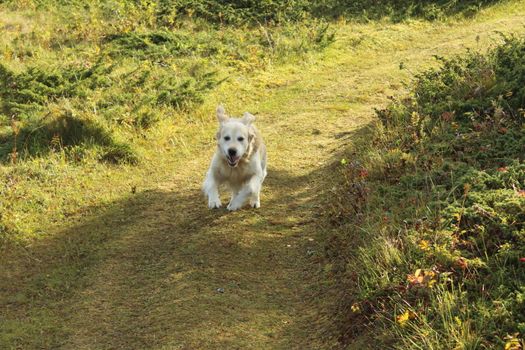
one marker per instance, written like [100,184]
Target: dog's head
[235,136]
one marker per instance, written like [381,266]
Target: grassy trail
[145,272]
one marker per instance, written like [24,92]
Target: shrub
[151,45]
[449,162]
[65,131]
[272,12]
[234,11]
[398,10]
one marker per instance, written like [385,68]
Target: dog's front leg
[250,189]
[235,193]
[255,200]
[211,189]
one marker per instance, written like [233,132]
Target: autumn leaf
[363,173]
[462,263]
[424,245]
[405,317]
[513,343]
[355,308]
[416,279]
[422,278]
[447,116]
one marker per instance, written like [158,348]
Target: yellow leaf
[513,344]
[355,308]
[403,318]
[424,245]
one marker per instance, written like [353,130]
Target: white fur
[243,173]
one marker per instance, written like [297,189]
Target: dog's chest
[235,176]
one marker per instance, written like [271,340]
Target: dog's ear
[251,135]
[221,114]
[247,118]
[253,144]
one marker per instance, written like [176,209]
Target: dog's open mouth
[233,160]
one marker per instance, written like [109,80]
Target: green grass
[122,73]
[83,86]
[106,241]
[439,192]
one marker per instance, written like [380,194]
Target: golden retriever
[239,162]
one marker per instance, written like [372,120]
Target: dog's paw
[255,204]
[214,204]
[233,206]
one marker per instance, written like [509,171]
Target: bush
[446,172]
[152,45]
[27,91]
[62,132]
[398,10]
[235,11]
[274,12]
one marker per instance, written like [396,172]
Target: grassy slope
[143,270]
[417,272]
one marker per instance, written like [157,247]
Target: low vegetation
[274,11]
[107,71]
[104,122]
[439,210]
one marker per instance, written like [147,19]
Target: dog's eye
[240,139]
[227,138]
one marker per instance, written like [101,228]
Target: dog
[239,162]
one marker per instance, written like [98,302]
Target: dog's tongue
[233,160]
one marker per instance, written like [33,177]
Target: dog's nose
[232,152]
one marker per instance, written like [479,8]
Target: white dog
[239,162]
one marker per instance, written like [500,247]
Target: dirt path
[167,273]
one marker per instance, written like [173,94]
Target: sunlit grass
[304,98]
